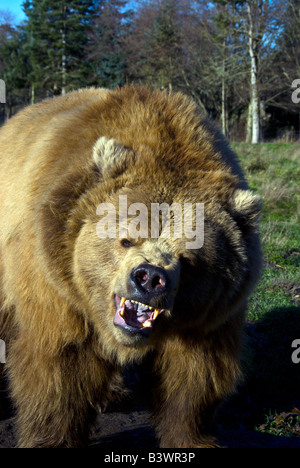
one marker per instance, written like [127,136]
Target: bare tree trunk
[63,65]
[191,89]
[249,124]
[8,111]
[32,99]
[64,58]
[224,116]
[254,73]
[2,113]
[255,102]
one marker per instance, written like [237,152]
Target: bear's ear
[110,157]
[245,208]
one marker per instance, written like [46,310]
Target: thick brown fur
[58,278]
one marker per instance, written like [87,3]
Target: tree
[229,62]
[290,40]
[7,25]
[105,48]
[256,15]
[14,64]
[155,44]
[255,26]
[57,37]
[198,73]
[286,66]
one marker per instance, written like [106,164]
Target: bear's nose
[151,279]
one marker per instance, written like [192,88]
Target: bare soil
[127,432]
[126,426]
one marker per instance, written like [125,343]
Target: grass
[282,424]
[273,171]
[273,380]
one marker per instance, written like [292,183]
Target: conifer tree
[106,43]
[14,64]
[162,46]
[57,37]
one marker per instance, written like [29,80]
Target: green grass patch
[282,424]
[273,171]
[273,380]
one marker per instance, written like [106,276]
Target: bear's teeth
[155,315]
[146,324]
[140,303]
[122,312]
[123,300]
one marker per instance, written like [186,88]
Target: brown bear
[86,290]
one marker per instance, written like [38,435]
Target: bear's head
[152,247]
[170,246]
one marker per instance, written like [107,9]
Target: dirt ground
[127,424]
[120,430]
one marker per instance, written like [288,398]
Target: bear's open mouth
[134,316]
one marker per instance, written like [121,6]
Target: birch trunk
[254,86]
[63,65]
[249,124]
[224,106]
[224,115]
[32,99]
[255,102]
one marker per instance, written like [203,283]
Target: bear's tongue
[134,314]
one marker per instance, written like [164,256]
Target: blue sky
[15,6]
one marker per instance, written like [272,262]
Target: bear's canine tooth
[122,312]
[156,313]
[122,302]
[146,324]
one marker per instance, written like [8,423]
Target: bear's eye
[189,261]
[126,243]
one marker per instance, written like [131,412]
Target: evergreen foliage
[237,59]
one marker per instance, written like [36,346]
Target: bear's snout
[148,280]
[149,294]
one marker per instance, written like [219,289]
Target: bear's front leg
[55,395]
[195,376]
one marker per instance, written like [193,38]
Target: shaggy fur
[58,161]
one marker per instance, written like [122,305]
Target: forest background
[239,60]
